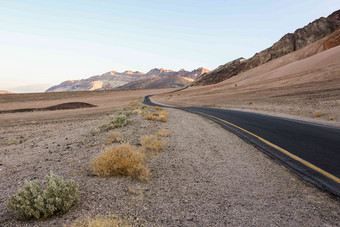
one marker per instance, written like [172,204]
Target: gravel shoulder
[206,176]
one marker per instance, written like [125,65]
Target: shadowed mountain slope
[287,44]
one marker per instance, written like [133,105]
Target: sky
[47,42]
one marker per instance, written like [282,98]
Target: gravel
[207,176]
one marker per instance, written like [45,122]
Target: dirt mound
[63,106]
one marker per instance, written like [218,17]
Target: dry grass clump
[331,118]
[158,116]
[100,221]
[152,143]
[123,160]
[157,108]
[114,136]
[133,104]
[318,113]
[164,132]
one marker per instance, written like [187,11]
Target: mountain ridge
[289,43]
[116,80]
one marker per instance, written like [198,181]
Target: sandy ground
[297,89]
[106,102]
[205,177]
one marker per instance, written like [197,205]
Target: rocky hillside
[155,78]
[289,43]
[173,81]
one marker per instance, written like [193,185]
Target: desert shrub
[318,113]
[116,122]
[33,201]
[163,118]
[157,108]
[152,143]
[12,142]
[158,116]
[331,118]
[164,132]
[123,160]
[137,111]
[95,132]
[114,136]
[102,221]
[130,113]
[106,221]
[133,104]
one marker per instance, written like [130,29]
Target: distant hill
[5,92]
[155,78]
[31,88]
[173,81]
[289,43]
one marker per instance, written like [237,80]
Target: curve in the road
[310,150]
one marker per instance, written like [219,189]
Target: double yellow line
[304,162]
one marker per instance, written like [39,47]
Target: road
[310,150]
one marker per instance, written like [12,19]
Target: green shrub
[116,122]
[12,142]
[33,201]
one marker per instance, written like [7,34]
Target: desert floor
[284,86]
[206,176]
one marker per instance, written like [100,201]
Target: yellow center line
[310,165]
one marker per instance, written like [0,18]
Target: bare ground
[296,90]
[205,177]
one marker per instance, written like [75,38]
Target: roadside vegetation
[34,202]
[152,143]
[129,136]
[164,133]
[123,160]
[106,221]
[114,137]
[318,113]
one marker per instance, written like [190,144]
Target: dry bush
[114,136]
[163,118]
[318,113]
[149,117]
[157,108]
[331,118]
[12,142]
[152,143]
[164,132]
[162,112]
[158,116]
[133,104]
[137,111]
[123,160]
[100,221]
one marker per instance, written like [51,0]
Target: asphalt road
[310,150]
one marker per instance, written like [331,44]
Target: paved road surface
[310,150]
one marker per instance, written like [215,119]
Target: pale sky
[43,41]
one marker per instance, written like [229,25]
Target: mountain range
[289,43]
[323,33]
[5,92]
[155,78]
